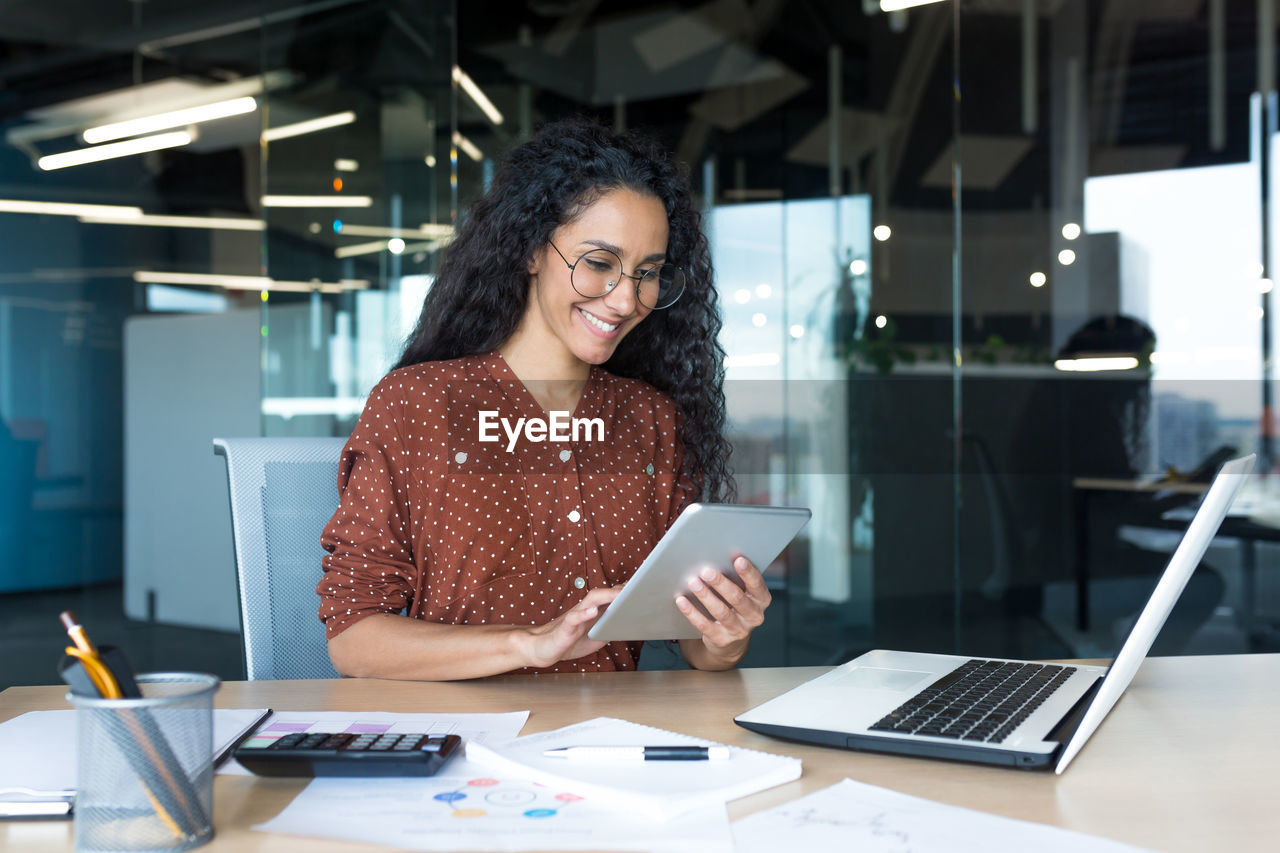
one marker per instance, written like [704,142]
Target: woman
[577,293]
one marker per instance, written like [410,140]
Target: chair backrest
[283,492]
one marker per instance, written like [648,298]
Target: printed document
[853,816]
[473,810]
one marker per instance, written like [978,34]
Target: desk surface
[1186,761]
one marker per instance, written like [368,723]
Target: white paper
[481,812]
[853,816]
[38,748]
[657,788]
[470,727]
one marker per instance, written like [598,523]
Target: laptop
[990,710]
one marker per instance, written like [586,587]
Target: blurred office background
[933,229]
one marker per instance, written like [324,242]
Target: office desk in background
[1254,518]
[1186,761]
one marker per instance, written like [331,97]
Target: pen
[87,654]
[639,753]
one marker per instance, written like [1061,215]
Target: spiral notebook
[660,789]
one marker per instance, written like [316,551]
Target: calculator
[347,754]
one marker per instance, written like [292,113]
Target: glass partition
[996,280]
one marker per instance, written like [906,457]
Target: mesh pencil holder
[145,766]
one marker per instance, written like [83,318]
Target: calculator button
[385,742]
[432,744]
[288,740]
[336,741]
[362,742]
[311,740]
[410,742]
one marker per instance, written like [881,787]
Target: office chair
[283,492]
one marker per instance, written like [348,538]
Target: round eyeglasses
[597,273]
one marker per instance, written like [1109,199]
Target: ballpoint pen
[639,753]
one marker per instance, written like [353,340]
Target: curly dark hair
[482,288]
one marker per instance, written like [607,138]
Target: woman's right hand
[565,637]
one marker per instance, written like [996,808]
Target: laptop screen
[1226,485]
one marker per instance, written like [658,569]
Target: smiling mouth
[597,322]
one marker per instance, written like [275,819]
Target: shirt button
[575,516]
[565,455]
[579,583]
[459,457]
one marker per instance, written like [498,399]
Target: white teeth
[597,322]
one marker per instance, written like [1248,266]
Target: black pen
[639,753]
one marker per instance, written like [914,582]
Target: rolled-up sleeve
[370,567]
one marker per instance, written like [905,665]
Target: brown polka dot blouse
[463,532]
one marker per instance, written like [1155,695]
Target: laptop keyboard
[981,700]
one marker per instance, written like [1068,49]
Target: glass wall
[929,228]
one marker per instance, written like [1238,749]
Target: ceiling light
[216,223]
[285,131]
[1067,257]
[357,249]
[477,96]
[899,5]
[1090,364]
[1038,279]
[1071,231]
[101,211]
[141,145]
[163,121]
[316,201]
[468,147]
[247,282]
[424,230]
[343,164]
[882,232]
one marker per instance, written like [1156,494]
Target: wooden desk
[1186,761]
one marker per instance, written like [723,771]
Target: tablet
[704,535]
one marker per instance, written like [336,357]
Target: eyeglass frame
[621,272]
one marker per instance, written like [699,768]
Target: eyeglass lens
[598,272]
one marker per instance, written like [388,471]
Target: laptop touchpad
[874,678]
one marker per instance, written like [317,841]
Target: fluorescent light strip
[343,164]
[899,5]
[477,96]
[285,131]
[468,147]
[163,121]
[112,212]
[1093,364]
[111,150]
[247,282]
[382,245]
[216,223]
[316,201]
[424,230]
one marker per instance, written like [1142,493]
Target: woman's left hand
[736,609]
